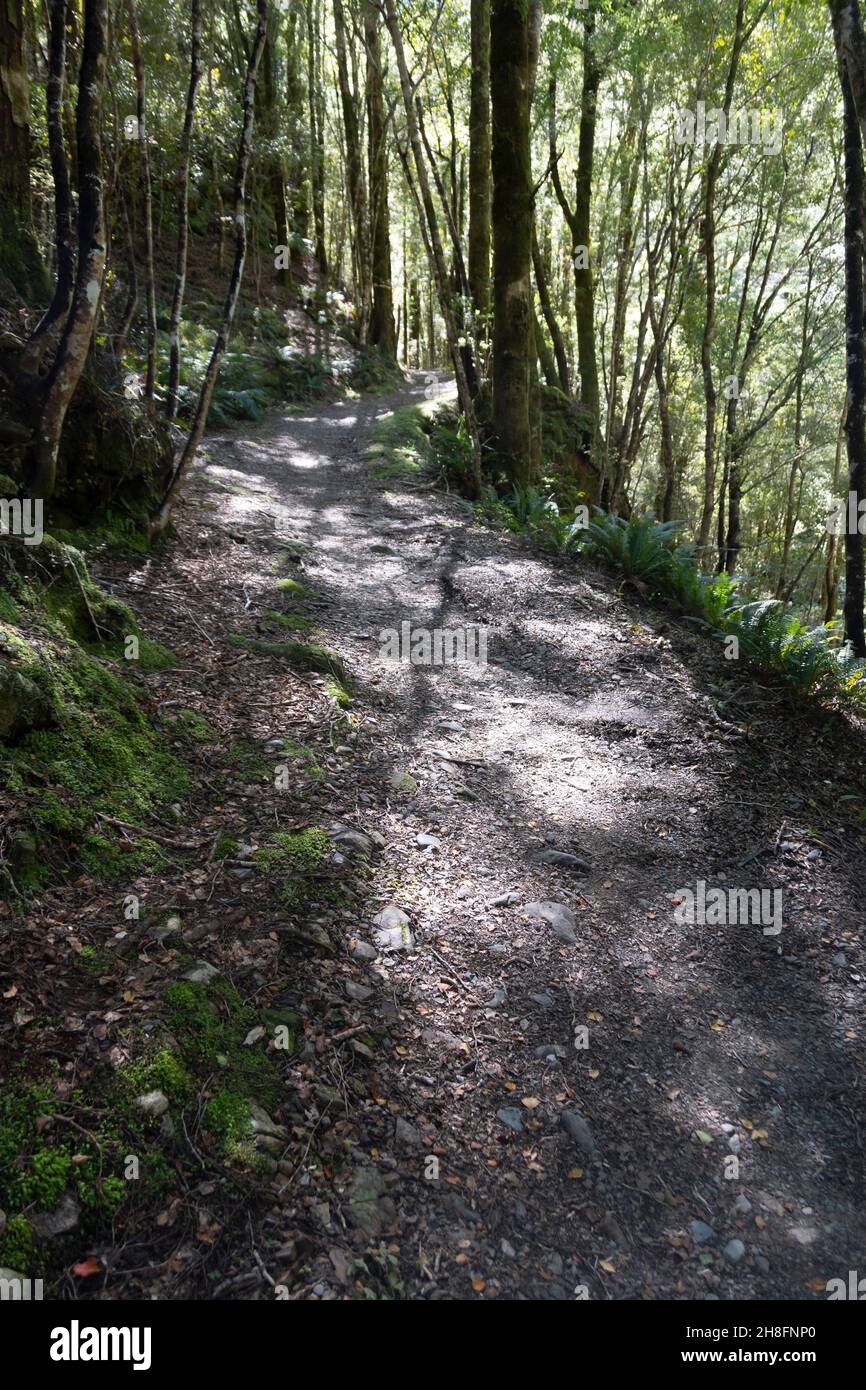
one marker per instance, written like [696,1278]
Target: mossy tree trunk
[81,320]
[20,261]
[54,93]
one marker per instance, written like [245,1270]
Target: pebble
[578,1130]
[362,950]
[511,1117]
[544,1001]
[701,1232]
[734,1251]
[559,917]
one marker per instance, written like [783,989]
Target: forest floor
[498,1104]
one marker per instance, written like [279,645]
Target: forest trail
[594,731]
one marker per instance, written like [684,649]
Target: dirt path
[428,1155]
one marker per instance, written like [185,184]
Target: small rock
[360,993]
[496,1000]
[511,1117]
[544,1001]
[504,900]
[578,1130]
[551,1050]
[362,950]
[428,842]
[559,917]
[395,939]
[64,1217]
[201,973]
[507,1249]
[253,1035]
[558,856]
[742,1206]
[405,1133]
[734,1251]
[153,1103]
[391,916]
[701,1233]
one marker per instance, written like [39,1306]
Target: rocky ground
[518,1074]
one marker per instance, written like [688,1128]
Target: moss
[94,962]
[226,847]
[16,1245]
[295,860]
[294,621]
[164,1071]
[300,656]
[9,609]
[102,759]
[211,1023]
[291,586]
[400,443]
[338,694]
[190,727]
[227,1116]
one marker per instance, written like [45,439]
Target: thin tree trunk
[553,328]
[317,147]
[855,418]
[354,178]
[437,255]
[382,334]
[65,279]
[183,210]
[160,521]
[709,246]
[479,164]
[144,154]
[81,319]
[513,347]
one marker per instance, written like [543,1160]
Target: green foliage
[640,546]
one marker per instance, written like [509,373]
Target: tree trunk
[427,212]
[160,521]
[479,165]
[317,145]
[183,209]
[584,292]
[855,418]
[20,261]
[144,154]
[78,331]
[354,178]
[553,328]
[708,232]
[513,347]
[382,334]
[54,92]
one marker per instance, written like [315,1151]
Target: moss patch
[299,655]
[294,860]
